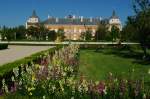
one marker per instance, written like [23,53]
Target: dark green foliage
[141,23]
[16,33]
[86,36]
[32,33]
[42,32]
[3,46]
[114,33]
[52,35]
[20,33]
[61,34]
[129,33]
[101,32]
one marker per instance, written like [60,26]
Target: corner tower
[33,20]
[115,21]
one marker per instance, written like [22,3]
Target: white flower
[86,88]
[72,97]
[12,78]
[79,89]
[64,74]
[53,88]
[20,82]
[97,82]
[149,71]
[105,92]
[133,70]
[15,70]
[3,82]
[116,80]
[6,89]
[44,97]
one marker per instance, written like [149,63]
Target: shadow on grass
[126,53]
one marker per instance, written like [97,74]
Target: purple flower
[1,92]
[137,88]
[122,87]
[101,88]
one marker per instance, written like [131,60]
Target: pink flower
[101,88]
[1,92]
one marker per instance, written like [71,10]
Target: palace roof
[114,16]
[72,21]
[34,15]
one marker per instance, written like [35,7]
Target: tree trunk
[143,45]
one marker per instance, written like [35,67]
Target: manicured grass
[97,65]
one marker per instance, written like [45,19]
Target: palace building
[72,25]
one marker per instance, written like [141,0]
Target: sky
[16,12]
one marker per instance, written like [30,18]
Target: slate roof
[34,15]
[73,21]
[114,16]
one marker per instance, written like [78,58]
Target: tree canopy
[140,23]
[101,32]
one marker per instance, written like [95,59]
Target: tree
[7,33]
[43,32]
[114,33]
[88,35]
[0,34]
[82,36]
[33,33]
[52,35]
[129,33]
[20,32]
[141,22]
[60,35]
[101,32]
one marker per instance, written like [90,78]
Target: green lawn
[97,65]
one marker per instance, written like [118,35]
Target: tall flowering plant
[48,72]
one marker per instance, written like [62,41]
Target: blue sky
[16,12]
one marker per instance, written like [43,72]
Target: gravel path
[15,52]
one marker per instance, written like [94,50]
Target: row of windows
[33,20]
[114,21]
[75,30]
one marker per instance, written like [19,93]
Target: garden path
[16,52]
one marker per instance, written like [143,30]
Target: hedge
[3,46]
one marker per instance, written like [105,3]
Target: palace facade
[73,26]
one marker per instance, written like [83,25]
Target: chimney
[81,18]
[57,20]
[48,16]
[74,16]
[100,18]
[91,19]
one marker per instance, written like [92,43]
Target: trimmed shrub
[3,46]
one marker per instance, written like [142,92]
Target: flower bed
[3,46]
[55,75]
